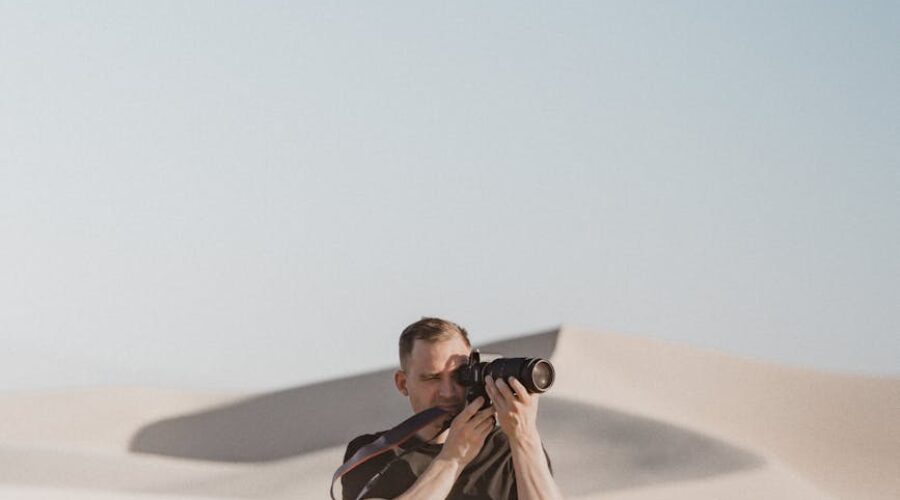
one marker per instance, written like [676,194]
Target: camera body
[536,374]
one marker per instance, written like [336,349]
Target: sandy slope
[840,432]
[104,419]
[629,419]
[764,483]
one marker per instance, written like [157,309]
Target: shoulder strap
[389,440]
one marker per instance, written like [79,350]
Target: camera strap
[390,439]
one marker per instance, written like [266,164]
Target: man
[472,459]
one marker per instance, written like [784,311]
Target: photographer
[473,458]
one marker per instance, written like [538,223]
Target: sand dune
[629,419]
[840,432]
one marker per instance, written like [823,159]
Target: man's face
[428,378]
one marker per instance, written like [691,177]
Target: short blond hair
[429,330]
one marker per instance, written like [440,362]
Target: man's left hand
[516,409]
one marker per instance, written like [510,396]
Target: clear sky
[259,194]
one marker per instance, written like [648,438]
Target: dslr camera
[536,374]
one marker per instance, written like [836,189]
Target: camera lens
[536,374]
[541,375]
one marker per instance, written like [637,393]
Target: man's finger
[484,427]
[505,390]
[487,423]
[471,408]
[520,389]
[482,415]
[496,397]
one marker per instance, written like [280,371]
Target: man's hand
[517,414]
[516,409]
[467,433]
[464,441]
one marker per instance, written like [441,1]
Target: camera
[536,374]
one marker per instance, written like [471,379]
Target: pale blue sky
[260,194]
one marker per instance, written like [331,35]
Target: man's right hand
[464,441]
[467,433]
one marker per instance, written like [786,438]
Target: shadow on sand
[592,448]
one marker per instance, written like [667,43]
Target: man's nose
[449,387]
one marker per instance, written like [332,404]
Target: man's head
[430,351]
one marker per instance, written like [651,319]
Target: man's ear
[400,382]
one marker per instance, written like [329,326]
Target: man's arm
[467,433]
[517,414]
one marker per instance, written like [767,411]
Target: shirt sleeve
[353,481]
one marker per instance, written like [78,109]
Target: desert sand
[628,419]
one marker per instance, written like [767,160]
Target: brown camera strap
[389,440]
